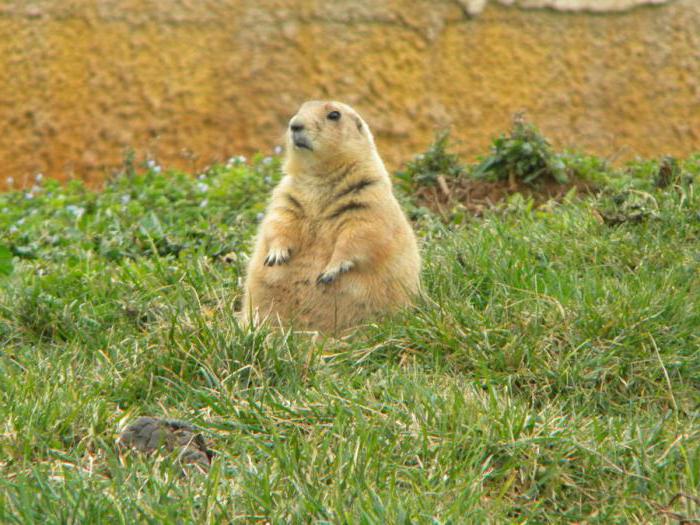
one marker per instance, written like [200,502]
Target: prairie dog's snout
[299,137]
[296,125]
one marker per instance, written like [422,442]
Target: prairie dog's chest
[312,224]
[317,236]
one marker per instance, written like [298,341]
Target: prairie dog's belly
[306,263]
[291,290]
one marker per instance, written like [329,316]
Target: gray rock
[151,434]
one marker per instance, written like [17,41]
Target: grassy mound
[551,374]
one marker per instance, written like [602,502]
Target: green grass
[551,374]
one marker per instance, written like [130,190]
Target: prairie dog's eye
[333,115]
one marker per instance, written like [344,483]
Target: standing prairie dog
[334,248]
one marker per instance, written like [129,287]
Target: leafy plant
[524,155]
[140,213]
[425,168]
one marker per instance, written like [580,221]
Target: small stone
[148,435]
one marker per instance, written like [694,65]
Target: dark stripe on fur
[333,179]
[348,207]
[286,209]
[340,225]
[295,202]
[354,188]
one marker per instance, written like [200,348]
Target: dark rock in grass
[150,434]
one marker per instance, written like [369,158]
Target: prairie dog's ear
[358,123]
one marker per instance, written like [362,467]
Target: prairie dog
[334,248]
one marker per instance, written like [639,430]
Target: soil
[477,196]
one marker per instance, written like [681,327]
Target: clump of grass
[524,156]
[6,265]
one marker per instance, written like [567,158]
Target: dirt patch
[477,196]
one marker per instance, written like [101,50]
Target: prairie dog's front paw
[331,273]
[277,256]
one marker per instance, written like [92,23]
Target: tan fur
[339,250]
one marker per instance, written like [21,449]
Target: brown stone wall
[195,81]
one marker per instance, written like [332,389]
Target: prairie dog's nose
[296,125]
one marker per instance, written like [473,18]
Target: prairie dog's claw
[326,278]
[331,274]
[277,256]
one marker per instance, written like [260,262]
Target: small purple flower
[278,150]
[259,217]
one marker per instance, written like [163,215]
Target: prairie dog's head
[325,133]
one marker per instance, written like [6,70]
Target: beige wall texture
[191,82]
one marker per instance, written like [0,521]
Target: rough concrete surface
[190,82]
